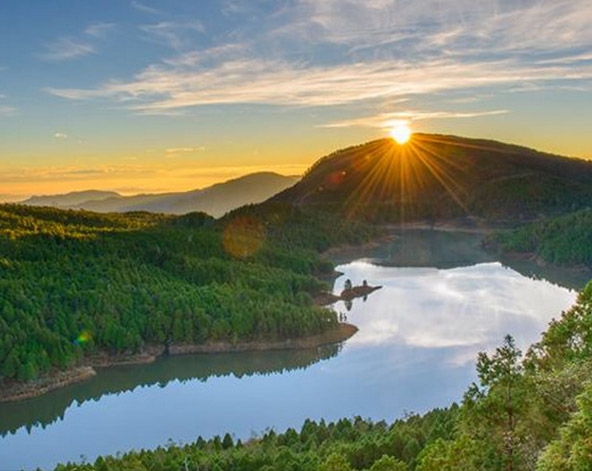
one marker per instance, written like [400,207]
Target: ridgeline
[434,177]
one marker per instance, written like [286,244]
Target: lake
[415,350]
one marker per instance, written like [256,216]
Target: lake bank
[18,391]
[415,350]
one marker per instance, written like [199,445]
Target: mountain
[69,200]
[215,200]
[562,240]
[435,177]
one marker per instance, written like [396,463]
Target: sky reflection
[415,350]
[471,308]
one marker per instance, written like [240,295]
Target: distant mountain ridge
[67,200]
[435,177]
[215,200]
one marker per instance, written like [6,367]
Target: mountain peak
[439,176]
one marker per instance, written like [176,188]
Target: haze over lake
[415,350]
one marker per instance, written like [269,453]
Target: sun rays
[400,132]
[408,180]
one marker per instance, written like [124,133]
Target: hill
[77,285]
[435,177]
[562,240]
[215,200]
[71,199]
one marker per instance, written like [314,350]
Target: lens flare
[83,338]
[243,236]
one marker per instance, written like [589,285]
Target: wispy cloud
[74,47]
[7,110]
[360,53]
[387,120]
[60,135]
[99,30]
[459,27]
[145,8]
[177,35]
[59,179]
[70,173]
[67,48]
[176,151]
[166,88]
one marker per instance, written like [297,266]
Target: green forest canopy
[563,240]
[74,283]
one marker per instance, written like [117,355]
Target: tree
[494,410]
[347,285]
[335,462]
[227,442]
[572,451]
[388,463]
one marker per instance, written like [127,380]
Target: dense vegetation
[340,446]
[527,412]
[75,283]
[436,177]
[564,240]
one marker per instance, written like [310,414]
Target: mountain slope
[563,240]
[69,200]
[215,200]
[438,177]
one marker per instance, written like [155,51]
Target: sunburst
[407,182]
[401,132]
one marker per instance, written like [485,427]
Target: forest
[564,240]
[530,411]
[75,283]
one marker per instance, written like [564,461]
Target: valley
[83,289]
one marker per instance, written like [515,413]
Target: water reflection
[422,248]
[468,308]
[51,407]
[452,249]
[415,350]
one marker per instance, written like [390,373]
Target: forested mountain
[69,200]
[75,283]
[563,240]
[434,177]
[215,200]
[531,412]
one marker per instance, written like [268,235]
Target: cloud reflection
[467,309]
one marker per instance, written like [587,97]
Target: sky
[153,96]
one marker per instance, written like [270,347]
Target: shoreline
[19,391]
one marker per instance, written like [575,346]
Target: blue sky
[169,95]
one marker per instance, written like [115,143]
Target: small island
[348,293]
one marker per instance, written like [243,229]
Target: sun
[400,132]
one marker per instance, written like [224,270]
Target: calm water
[415,350]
